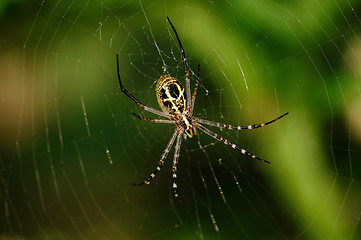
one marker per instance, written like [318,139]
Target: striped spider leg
[195,91]
[161,161]
[227,126]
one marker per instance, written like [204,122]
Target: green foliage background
[65,175]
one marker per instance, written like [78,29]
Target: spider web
[70,146]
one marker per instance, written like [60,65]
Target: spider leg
[153,120]
[227,126]
[161,162]
[195,91]
[225,141]
[175,163]
[141,105]
[183,54]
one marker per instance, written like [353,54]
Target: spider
[177,107]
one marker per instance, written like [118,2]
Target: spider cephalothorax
[177,105]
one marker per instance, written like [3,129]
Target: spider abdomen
[170,95]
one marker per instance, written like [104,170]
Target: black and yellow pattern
[170,95]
